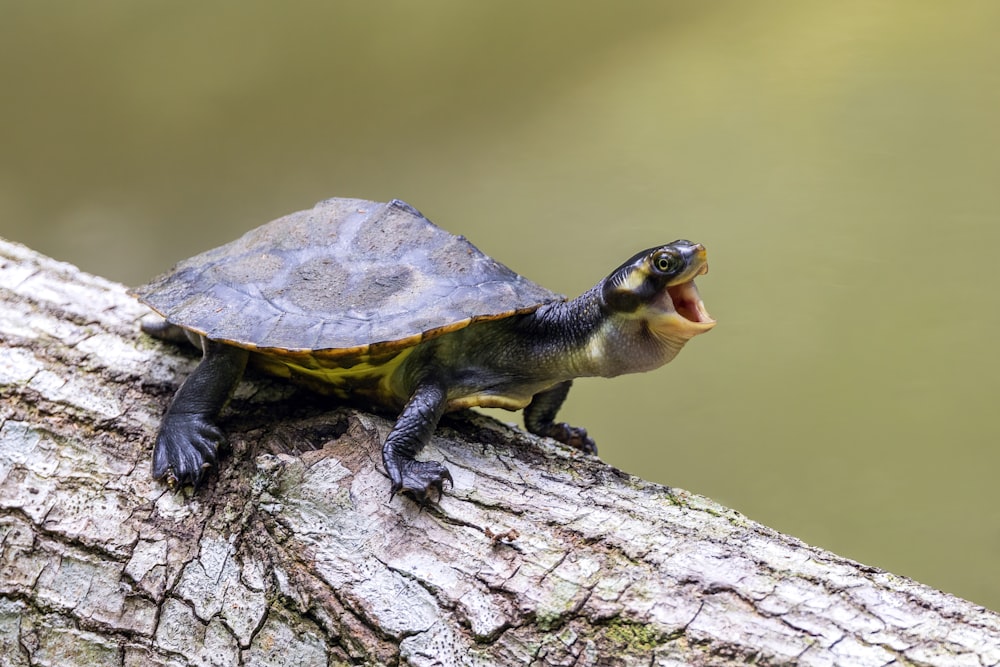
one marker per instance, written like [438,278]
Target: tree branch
[293,554]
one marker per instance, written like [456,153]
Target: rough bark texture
[294,555]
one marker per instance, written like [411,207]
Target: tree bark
[294,554]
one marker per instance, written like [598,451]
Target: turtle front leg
[413,430]
[539,418]
[188,441]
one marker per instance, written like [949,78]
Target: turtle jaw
[680,310]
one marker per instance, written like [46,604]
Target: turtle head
[656,287]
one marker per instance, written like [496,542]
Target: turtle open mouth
[688,304]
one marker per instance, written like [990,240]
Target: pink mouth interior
[688,303]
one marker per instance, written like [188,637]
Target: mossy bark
[294,554]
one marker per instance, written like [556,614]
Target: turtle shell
[339,278]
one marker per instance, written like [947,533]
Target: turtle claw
[186,447]
[574,436]
[419,478]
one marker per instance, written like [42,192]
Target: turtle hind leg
[164,330]
[188,441]
[539,418]
[414,427]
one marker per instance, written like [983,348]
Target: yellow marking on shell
[367,376]
[370,378]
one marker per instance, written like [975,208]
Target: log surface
[293,554]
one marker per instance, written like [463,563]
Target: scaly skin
[416,423]
[188,440]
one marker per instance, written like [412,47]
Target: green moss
[636,636]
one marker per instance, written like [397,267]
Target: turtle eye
[666,261]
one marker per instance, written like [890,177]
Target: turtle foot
[574,436]
[186,447]
[419,478]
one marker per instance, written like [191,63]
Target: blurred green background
[839,160]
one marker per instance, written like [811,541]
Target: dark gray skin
[636,319]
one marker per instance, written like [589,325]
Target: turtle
[372,302]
